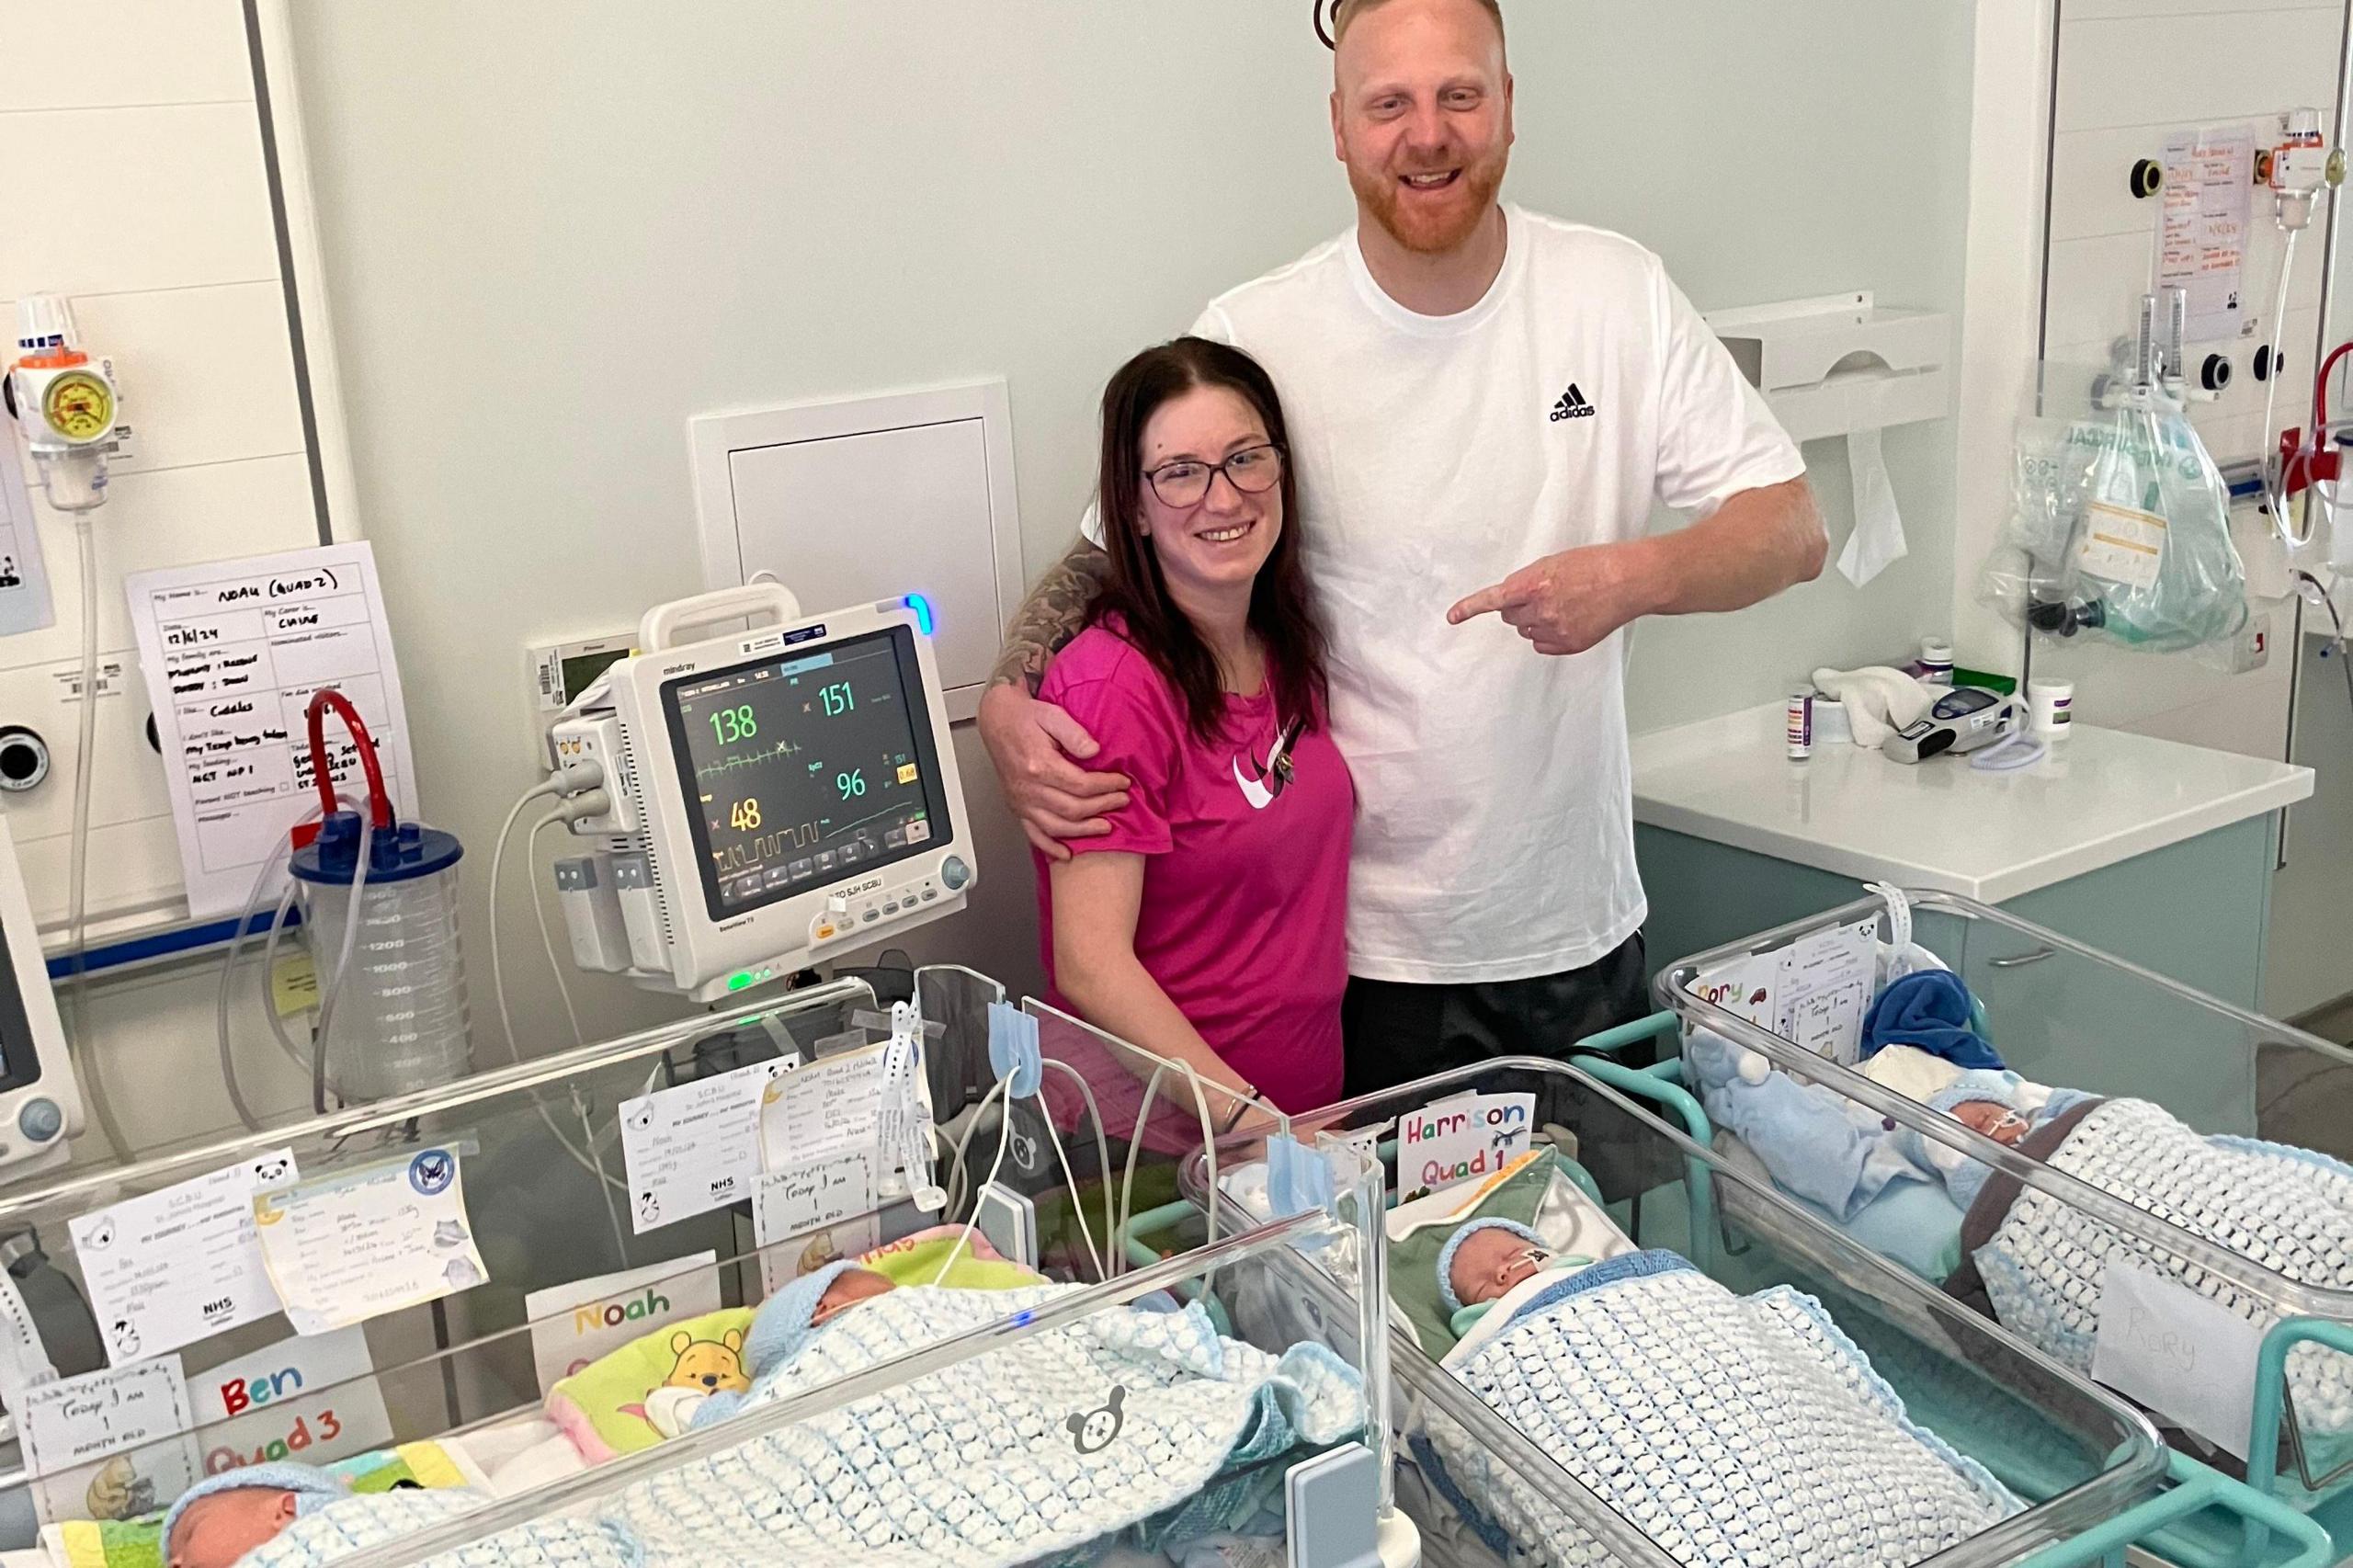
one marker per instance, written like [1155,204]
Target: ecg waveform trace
[747,759]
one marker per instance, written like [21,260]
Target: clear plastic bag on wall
[2119,530]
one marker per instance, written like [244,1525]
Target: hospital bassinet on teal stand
[2089,1472]
[2200,1111]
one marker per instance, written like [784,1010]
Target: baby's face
[1995,1121]
[850,1287]
[217,1530]
[1489,1263]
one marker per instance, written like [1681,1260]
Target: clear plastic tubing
[400,1021]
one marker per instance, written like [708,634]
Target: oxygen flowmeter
[68,404]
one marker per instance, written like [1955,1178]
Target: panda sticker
[1096,1430]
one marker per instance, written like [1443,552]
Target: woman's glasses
[1253,471]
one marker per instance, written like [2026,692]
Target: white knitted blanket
[1045,1444]
[1733,1431]
[372,1519]
[2287,1209]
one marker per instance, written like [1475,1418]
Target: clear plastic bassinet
[2089,1471]
[2062,1014]
[538,1154]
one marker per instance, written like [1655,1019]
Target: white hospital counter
[2159,852]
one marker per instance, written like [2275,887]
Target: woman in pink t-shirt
[1206,926]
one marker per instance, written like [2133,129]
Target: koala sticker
[1096,1430]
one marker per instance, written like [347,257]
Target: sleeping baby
[220,1520]
[1997,1103]
[1486,1260]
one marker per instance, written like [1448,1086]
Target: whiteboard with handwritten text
[233,651]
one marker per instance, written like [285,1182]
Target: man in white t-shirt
[1484,403]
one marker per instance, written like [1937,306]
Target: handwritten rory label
[2190,1359]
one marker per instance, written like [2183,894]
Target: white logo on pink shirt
[1264,781]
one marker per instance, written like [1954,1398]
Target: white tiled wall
[132,180]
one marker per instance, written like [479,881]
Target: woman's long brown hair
[1282,613]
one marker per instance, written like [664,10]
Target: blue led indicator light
[922,606]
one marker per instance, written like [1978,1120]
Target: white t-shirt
[1437,456]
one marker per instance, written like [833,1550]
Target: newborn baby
[2000,1104]
[1486,1260]
[785,1322]
[220,1519]
[847,1289]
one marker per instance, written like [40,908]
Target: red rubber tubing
[2320,387]
[380,804]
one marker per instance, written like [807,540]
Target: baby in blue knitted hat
[1486,1260]
[785,1323]
[2000,1104]
[222,1517]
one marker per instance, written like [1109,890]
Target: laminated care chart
[830,1105]
[697,1147]
[233,651]
[2202,244]
[1815,993]
[172,1267]
[347,1247]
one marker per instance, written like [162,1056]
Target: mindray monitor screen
[805,770]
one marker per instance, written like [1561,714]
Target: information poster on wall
[233,651]
[2202,237]
[24,577]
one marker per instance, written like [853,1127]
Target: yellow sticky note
[293,985]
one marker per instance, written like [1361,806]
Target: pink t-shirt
[1245,881]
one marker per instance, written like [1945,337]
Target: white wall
[556,230]
[132,181]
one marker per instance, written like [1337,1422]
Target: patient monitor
[772,796]
[40,1107]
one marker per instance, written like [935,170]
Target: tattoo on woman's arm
[1054,612]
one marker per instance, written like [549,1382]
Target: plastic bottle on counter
[1935,667]
[1800,723]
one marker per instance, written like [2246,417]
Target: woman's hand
[1033,745]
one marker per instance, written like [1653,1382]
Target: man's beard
[1427,233]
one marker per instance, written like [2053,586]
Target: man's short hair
[1345,14]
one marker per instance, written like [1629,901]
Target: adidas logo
[1572,405]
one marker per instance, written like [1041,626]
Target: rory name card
[573,1324]
[2190,1359]
[175,1266]
[1465,1138]
[312,1398]
[696,1147]
[358,1243]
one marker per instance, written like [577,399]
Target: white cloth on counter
[1879,700]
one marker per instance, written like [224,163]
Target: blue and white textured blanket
[2040,1262]
[1733,1431]
[368,1520]
[1128,1417]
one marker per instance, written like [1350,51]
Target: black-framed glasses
[1323,30]
[1253,471]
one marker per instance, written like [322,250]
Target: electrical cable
[547,937]
[497,859]
[331,987]
[1102,1163]
[295,1053]
[2344,655]
[1208,1149]
[78,873]
[1004,1141]
[2276,487]
[277,858]
[1077,1203]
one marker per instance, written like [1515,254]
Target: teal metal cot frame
[2173,1490]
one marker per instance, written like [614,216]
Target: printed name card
[573,1324]
[313,1400]
[345,1247]
[175,1266]
[696,1147]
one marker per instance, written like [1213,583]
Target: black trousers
[1397,1032]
